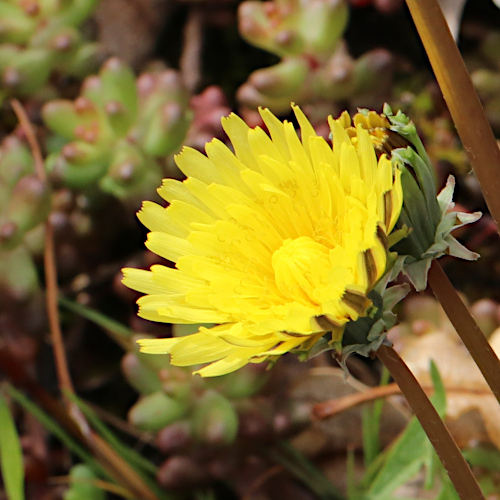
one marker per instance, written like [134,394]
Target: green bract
[430,218]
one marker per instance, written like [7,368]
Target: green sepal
[365,335]
[416,208]
[416,266]
[425,179]
[405,127]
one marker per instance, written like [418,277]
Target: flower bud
[426,219]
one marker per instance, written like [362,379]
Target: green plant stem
[468,330]
[462,100]
[457,468]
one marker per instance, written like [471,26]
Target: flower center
[300,267]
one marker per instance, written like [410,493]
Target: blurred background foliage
[113,90]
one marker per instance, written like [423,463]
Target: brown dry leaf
[342,431]
[453,10]
[473,413]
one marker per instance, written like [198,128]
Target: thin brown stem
[52,292]
[471,335]
[332,407]
[70,413]
[31,138]
[462,100]
[457,468]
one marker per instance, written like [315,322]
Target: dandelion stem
[457,468]
[462,100]
[468,330]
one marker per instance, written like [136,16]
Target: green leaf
[448,491]
[54,428]
[117,331]
[143,466]
[130,455]
[438,399]
[404,460]
[411,451]
[304,470]
[11,455]
[482,457]
[371,426]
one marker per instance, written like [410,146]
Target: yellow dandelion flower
[279,243]
[384,140]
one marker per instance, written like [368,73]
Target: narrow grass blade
[11,455]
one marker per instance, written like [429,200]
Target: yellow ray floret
[278,243]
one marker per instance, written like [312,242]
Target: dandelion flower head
[279,243]
[384,140]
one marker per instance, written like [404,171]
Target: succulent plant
[39,38]
[83,485]
[315,64]
[25,203]
[171,397]
[117,130]
[206,427]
